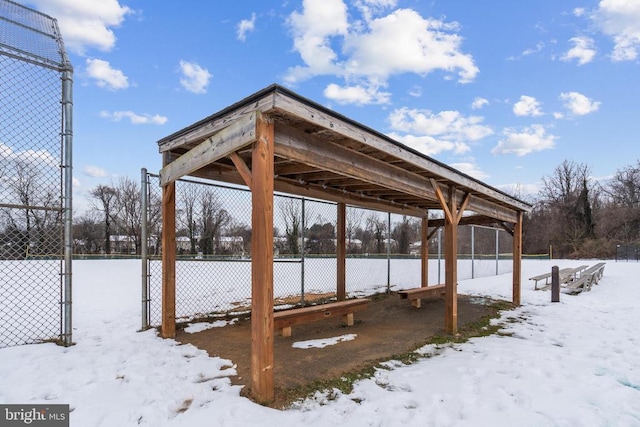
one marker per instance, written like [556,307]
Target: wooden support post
[262,386]
[451,268]
[341,252]
[517,260]
[168,329]
[424,253]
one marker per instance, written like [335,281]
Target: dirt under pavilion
[276,140]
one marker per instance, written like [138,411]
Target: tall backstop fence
[213,239]
[35,179]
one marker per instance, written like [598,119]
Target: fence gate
[35,179]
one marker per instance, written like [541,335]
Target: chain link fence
[627,253]
[213,261]
[35,179]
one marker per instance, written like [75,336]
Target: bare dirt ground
[388,327]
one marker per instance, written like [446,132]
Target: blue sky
[502,90]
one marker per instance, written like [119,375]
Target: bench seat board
[299,316]
[429,291]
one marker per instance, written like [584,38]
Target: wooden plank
[337,124]
[242,168]
[314,313]
[210,125]
[299,146]
[517,261]
[448,215]
[262,385]
[219,172]
[341,252]
[168,329]
[238,134]
[429,291]
[424,252]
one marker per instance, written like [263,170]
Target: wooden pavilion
[276,140]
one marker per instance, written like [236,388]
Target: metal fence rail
[213,239]
[35,179]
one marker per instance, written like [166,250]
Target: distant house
[123,244]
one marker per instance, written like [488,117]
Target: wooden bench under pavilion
[276,140]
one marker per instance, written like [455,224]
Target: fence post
[555,284]
[144,245]
[497,251]
[67,105]
[302,253]
[473,251]
[388,252]
[439,252]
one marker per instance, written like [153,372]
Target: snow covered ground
[573,363]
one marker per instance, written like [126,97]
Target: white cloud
[94,171]
[86,24]
[105,76]
[429,145]
[578,11]
[531,51]
[312,32]
[405,42]
[583,50]
[529,140]
[579,104]
[194,78]
[620,19]
[246,26]
[416,91]
[479,102]
[558,115]
[358,95]
[527,106]
[471,169]
[136,119]
[432,133]
[370,50]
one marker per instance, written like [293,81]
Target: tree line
[579,217]
[573,215]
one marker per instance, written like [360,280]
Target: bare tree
[353,222]
[189,198]
[622,211]
[213,218]
[291,212]
[129,210]
[566,207]
[104,201]
[376,228]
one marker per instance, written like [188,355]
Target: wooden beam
[462,207]
[338,125]
[210,125]
[226,141]
[424,252]
[219,172]
[517,260]
[262,385]
[448,214]
[168,329]
[299,146]
[341,251]
[451,267]
[242,168]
